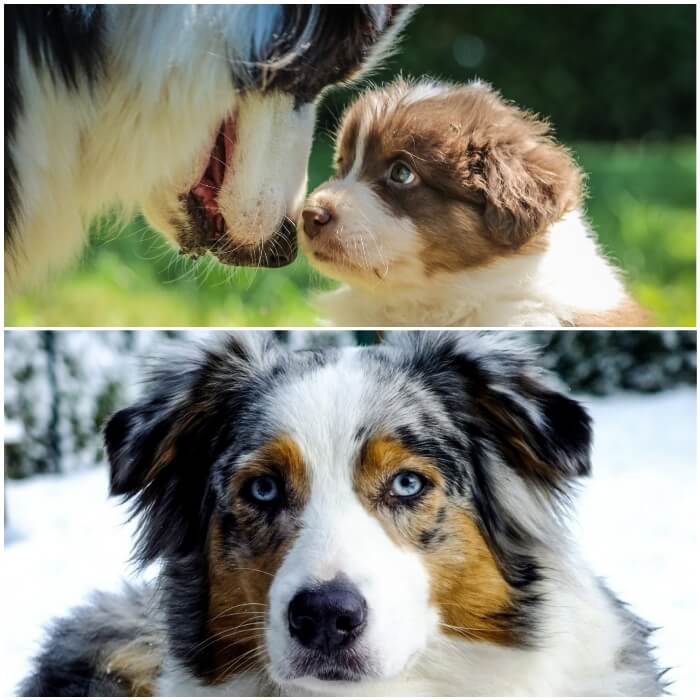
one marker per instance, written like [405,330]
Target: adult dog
[201,115]
[374,521]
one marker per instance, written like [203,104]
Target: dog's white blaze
[267,178]
[339,537]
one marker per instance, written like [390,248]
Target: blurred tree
[601,72]
[53,439]
[60,387]
[600,362]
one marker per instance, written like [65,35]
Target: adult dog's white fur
[139,132]
[469,585]
[407,257]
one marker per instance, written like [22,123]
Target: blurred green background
[619,85]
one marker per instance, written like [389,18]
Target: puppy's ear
[525,179]
[160,449]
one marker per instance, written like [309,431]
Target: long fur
[472,587]
[490,231]
[133,105]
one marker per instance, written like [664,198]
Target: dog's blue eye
[401,174]
[407,484]
[264,489]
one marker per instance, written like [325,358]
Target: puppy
[364,521]
[452,207]
[201,115]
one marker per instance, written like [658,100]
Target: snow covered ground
[637,523]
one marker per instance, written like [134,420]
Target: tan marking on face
[467,585]
[239,580]
[280,456]
[237,608]
[136,665]
[382,459]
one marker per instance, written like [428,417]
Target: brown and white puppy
[451,206]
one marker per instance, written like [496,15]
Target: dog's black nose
[328,617]
[315,218]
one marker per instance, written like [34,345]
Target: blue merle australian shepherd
[200,115]
[365,521]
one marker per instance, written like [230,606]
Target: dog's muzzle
[196,239]
[327,622]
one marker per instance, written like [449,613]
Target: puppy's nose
[327,618]
[315,218]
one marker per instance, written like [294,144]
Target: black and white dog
[201,115]
[375,521]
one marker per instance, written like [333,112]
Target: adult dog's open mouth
[207,231]
[205,193]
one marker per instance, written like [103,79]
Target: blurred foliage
[601,362]
[61,387]
[601,72]
[618,82]
[642,205]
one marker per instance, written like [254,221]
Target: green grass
[642,204]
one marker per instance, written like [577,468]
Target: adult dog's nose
[315,218]
[327,618]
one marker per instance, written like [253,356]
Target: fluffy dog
[452,207]
[201,115]
[375,521]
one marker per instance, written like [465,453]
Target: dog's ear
[317,46]
[525,180]
[541,433]
[378,28]
[160,449]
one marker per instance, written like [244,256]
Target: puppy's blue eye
[264,489]
[407,484]
[401,174]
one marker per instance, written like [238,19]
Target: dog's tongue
[207,189]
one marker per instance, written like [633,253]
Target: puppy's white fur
[548,288]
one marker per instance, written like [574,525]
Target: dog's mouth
[344,667]
[330,252]
[206,230]
[336,256]
[205,192]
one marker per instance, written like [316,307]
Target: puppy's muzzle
[327,618]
